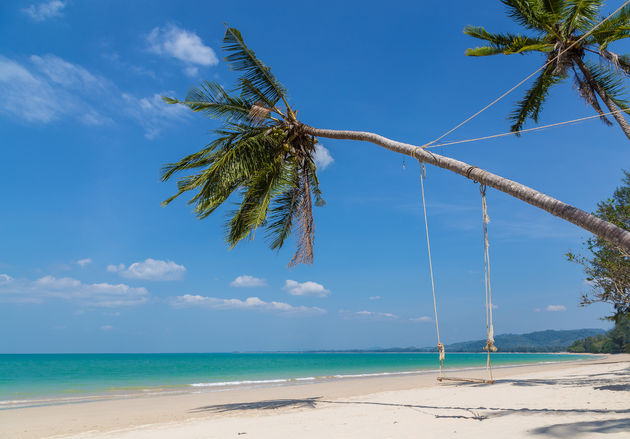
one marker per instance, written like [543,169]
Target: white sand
[588,400]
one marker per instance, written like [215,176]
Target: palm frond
[554,8]
[504,43]
[283,211]
[210,98]
[532,14]
[585,90]
[615,28]
[531,104]
[610,82]
[580,15]
[243,59]
[256,197]
[264,160]
[305,223]
[621,63]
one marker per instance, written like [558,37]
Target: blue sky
[90,261]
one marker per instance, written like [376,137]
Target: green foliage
[531,104]
[260,155]
[558,25]
[504,43]
[607,267]
[615,341]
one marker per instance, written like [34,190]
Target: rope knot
[440,347]
[490,347]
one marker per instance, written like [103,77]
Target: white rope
[426,227]
[490,347]
[542,127]
[528,77]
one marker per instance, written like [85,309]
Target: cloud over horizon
[71,290]
[251,303]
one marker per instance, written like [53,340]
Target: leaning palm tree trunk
[616,111]
[606,230]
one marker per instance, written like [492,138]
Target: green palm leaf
[243,59]
[531,104]
[212,99]
[506,44]
[580,15]
[615,28]
[612,85]
[264,161]
[532,14]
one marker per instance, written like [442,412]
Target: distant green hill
[540,341]
[615,341]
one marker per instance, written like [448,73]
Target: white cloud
[45,10]
[150,269]
[47,88]
[377,315]
[72,290]
[5,279]
[115,268]
[537,309]
[322,157]
[107,328]
[422,319]
[248,281]
[251,303]
[83,262]
[183,45]
[152,112]
[556,308]
[375,297]
[191,71]
[305,289]
[62,72]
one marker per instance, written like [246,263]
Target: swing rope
[440,346]
[490,347]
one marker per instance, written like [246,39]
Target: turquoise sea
[36,379]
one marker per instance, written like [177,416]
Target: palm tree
[261,151]
[265,155]
[560,30]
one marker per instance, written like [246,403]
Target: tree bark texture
[580,218]
[618,115]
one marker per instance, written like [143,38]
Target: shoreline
[147,413]
[148,391]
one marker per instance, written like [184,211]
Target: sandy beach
[579,399]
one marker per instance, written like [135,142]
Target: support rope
[440,346]
[528,77]
[490,347]
[518,133]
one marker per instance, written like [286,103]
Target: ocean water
[36,379]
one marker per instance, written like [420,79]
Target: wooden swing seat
[466,380]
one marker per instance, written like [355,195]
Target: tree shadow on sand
[574,429]
[474,411]
[615,381]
